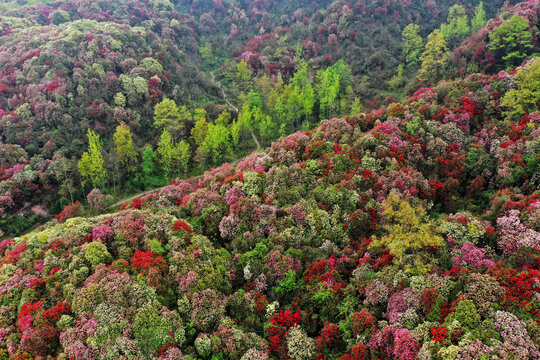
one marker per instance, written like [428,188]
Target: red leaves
[24,319]
[144,261]
[52,86]
[181,225]
[136,204]
[359,352]
[13,256]
[286,318]
[428,300]
[439,334]
[383,261]
[277,332]
[52,315]
[70,210]
[328,339]
[362,322]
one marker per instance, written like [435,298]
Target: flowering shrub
[70,210]
[96,200]
[144,261]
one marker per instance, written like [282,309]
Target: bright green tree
[148,167]
[267,128]
[457,25]
[330,83]
[207,54]
[91,164]
[199,131]
[397,80]
[244,74]
[479,19]
[412,44]
[236,129]
[184,154]
[525,97]
[356,107]
[511,41]
[217,141]
[167,115]
[167,153]
[224,118]
[303,94]
[432,58]
[125,150]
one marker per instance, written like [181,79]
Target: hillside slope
[163,89]
[407,232]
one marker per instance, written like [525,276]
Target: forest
[294,180]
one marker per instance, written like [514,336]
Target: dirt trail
[218,84]
[196,178]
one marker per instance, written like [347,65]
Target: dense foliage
[408,232]
[399,219]
[171,88]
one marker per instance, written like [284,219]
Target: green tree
[511,41]
[224,118]
[412,44]
[244,74]
[330,84]
[432,58]
[525,97]
[167,116]
[64,171]
[207,54]
[184,154]
[303,93]
[479,19]
[456,27]
[125,150]
[199,131]
[267,128]
[236,129]
[217,141]
[397,80]
[167,154]
[91,163]
[148,167]
[356,107]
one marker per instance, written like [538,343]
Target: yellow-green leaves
[432,58]
[91,164]
[526,96]
[125,151]
[410,232]
[412,43]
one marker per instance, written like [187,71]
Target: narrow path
[196,178]
[218,84]
[256,141]
[144,193]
